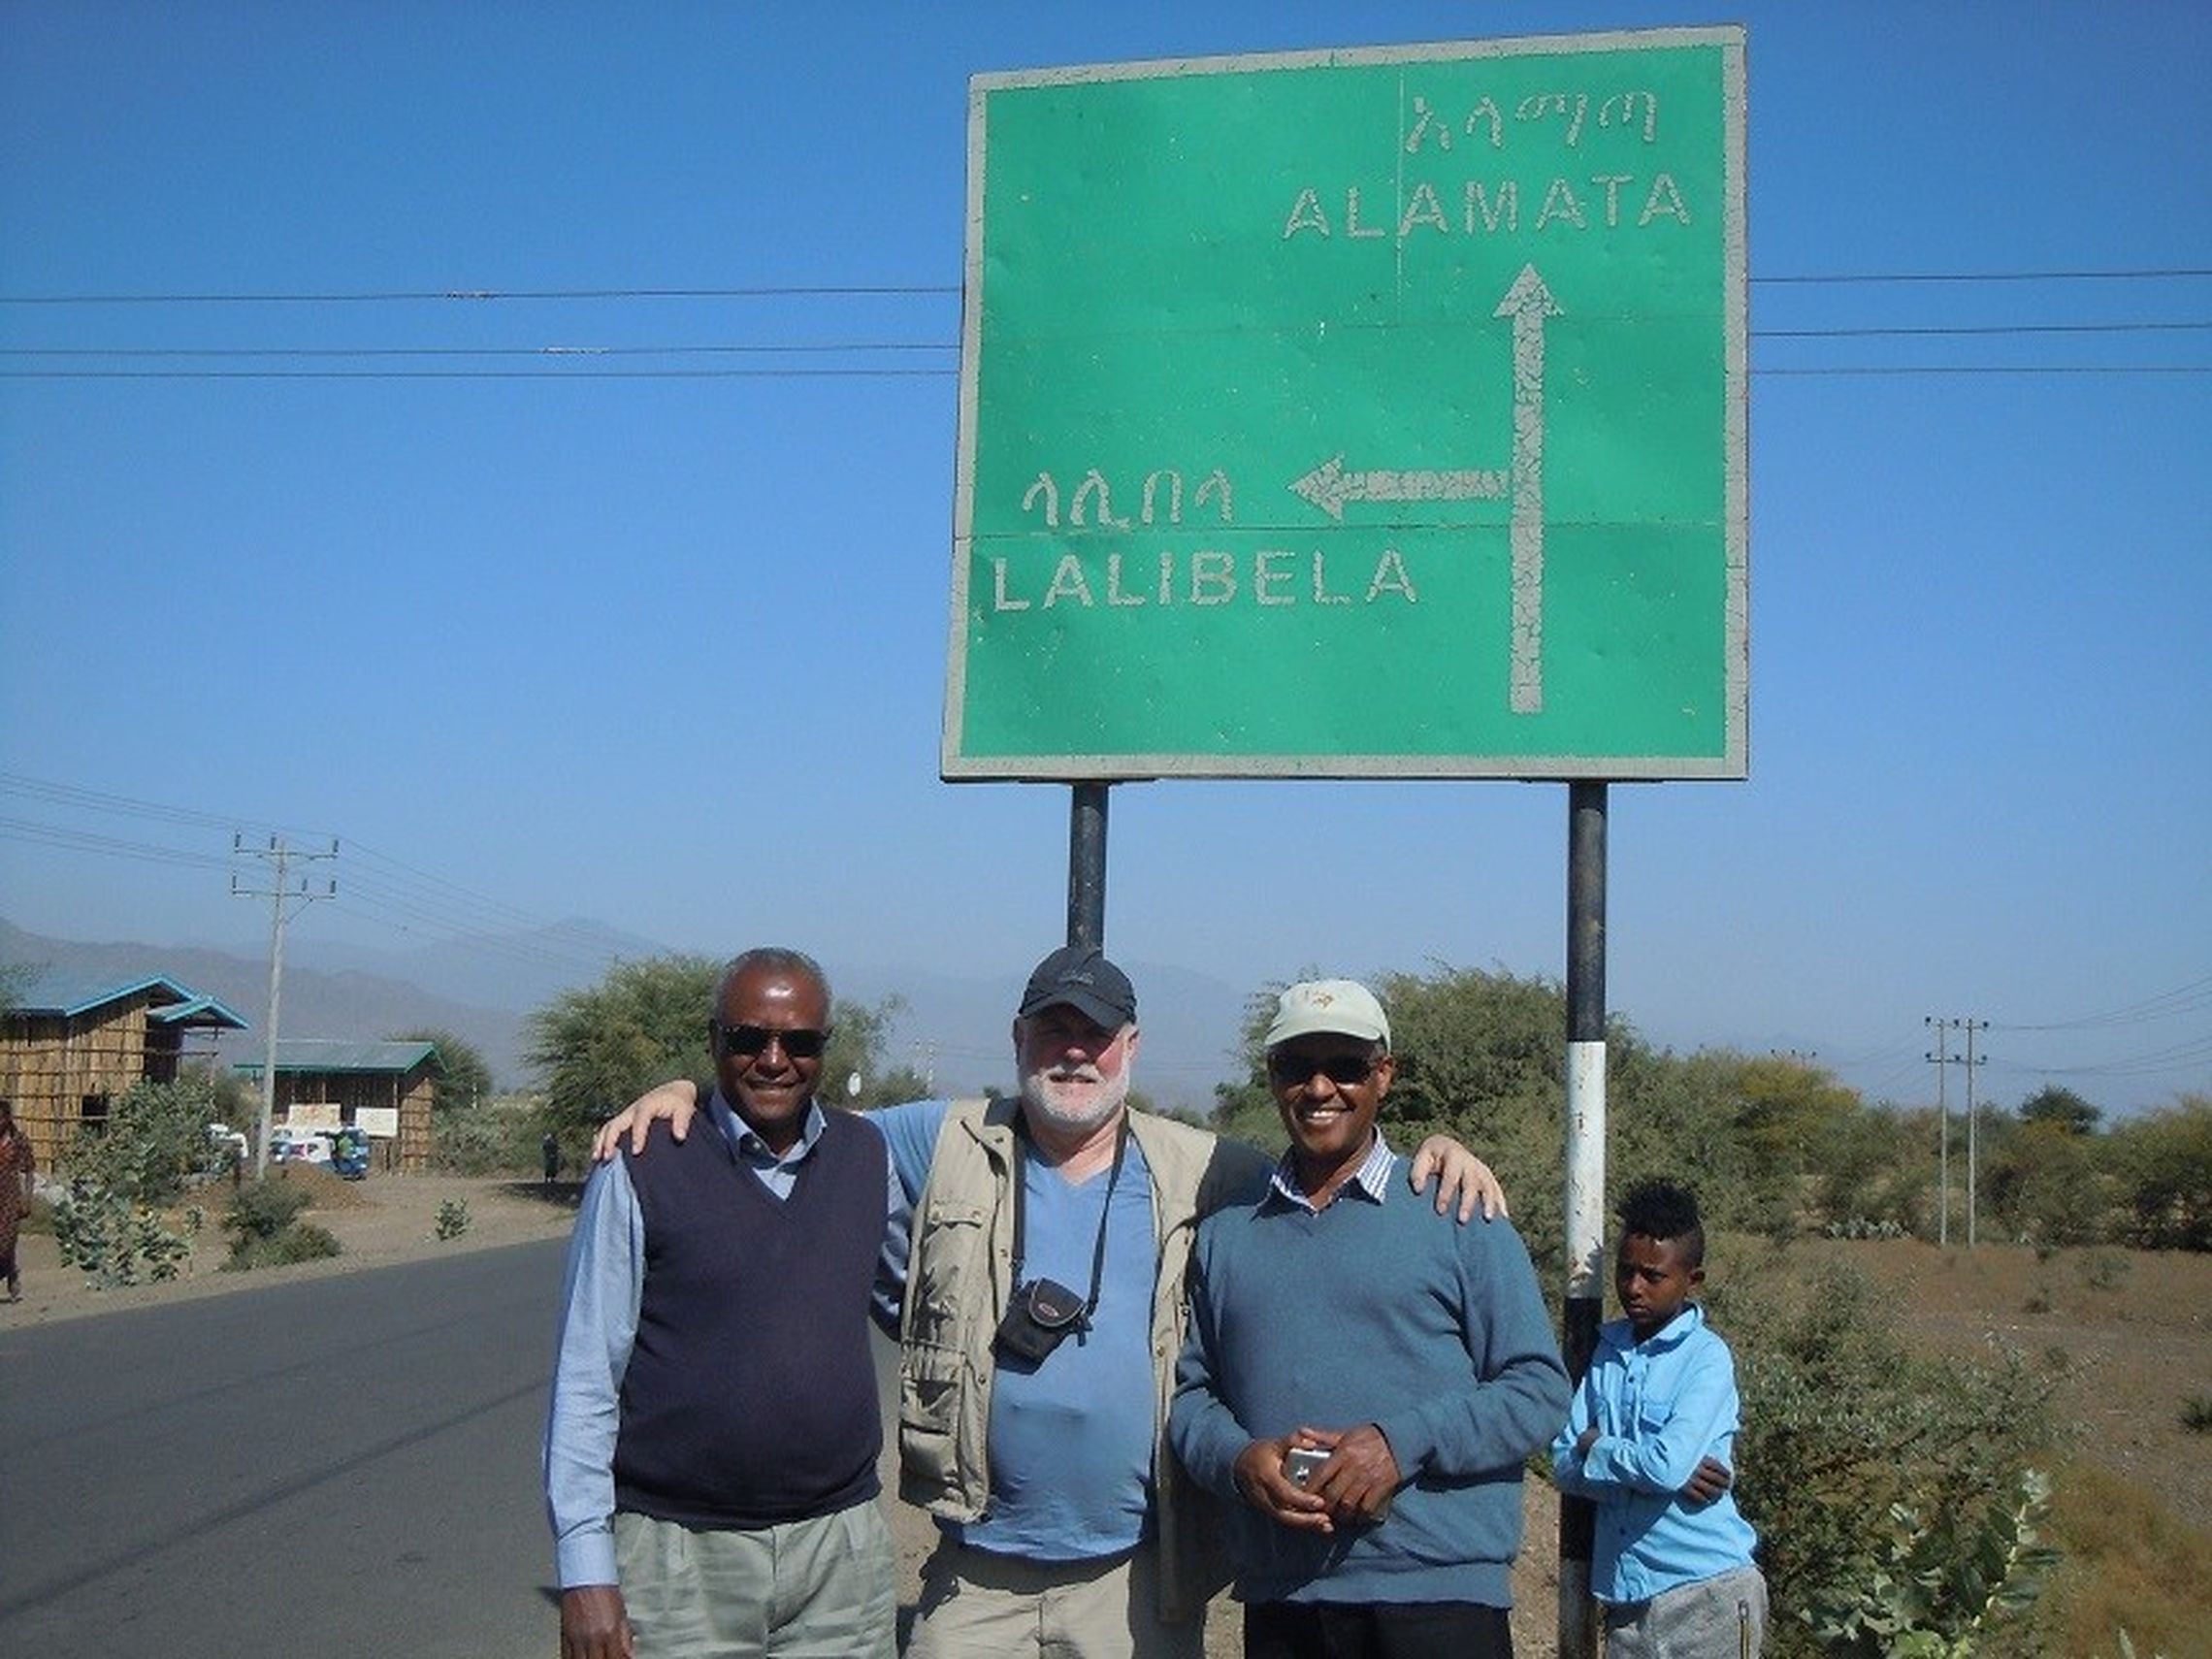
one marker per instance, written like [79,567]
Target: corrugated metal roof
[337,1054]
[198,1011]
[70,996]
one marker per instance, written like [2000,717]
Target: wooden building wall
[59,1071]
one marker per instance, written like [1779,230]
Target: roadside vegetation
[117,1220]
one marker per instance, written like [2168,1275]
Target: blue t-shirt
[1070,1439]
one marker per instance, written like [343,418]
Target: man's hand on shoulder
[1459,1175]
[677,1101]
[595,1624]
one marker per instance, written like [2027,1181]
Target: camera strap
[1021,1207]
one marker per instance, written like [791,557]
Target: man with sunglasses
[710,1455]
[1361,1382]
[1034,1272]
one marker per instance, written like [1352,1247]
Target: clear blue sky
[669,652]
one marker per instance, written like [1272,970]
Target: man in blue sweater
[1362,1378]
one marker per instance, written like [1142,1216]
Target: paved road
[336,1468]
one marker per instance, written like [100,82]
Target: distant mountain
[514,971]
[315,1003]
[955,1030]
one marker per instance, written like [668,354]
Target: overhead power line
[475,296]
[910,290]
[869,348]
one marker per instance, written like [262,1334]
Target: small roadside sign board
[1362,414]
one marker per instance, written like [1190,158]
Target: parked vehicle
[297,1146]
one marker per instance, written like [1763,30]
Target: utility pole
[280,890]
[1973,1125]
[1941,1061]
[1969,1059]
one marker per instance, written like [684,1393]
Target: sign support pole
[1087,866]
[1585,1172]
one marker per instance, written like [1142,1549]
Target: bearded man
[1035,1269]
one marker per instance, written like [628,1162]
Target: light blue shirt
[1070,1441]
[601,1297]
[1660,1405]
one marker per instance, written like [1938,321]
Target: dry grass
[2131,1565]
[2132,1509]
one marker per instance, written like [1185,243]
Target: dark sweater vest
[750,1398]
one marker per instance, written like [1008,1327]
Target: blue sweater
[1376,1310]
[1659,1405]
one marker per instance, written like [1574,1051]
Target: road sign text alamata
[1376,413]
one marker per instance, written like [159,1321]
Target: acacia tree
[2061,1109]
[2163,1160]
[603,1045]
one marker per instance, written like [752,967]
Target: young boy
[1673,1557]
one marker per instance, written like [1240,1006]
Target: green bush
[114,1240]
[452,1219]
[120,1171]
[266,1230]
[1941,1586]
[1858,1462]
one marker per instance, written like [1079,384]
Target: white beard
[1072,1117]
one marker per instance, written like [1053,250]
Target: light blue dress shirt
[1660,1405]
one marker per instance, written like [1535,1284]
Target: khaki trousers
[978,1606]
[813,1589]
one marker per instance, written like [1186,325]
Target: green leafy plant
[121,1171]
[1941,1584]
[452,1218]
[2197,1414]
[266,1230]
[114,1240]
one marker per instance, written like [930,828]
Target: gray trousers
[1714,1618]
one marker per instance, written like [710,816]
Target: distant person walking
[551,1148]
[15,1167]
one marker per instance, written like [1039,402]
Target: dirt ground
[2135,1329]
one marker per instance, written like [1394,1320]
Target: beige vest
[958,1277]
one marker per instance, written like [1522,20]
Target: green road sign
[1353,415]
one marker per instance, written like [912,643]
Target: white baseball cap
[1340,1007]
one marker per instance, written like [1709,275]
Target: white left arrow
[1331,484]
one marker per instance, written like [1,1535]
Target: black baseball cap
[1081,976]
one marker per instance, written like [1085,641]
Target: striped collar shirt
[1372,1178]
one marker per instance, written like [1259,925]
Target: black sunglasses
[799,1043]
[1296,1070]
